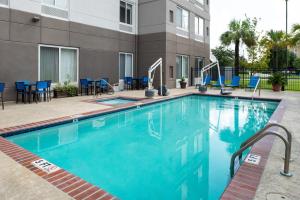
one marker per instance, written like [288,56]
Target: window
[171,72]
[207,31]
[125,65]
[199,26]
[126,12]
[62,4]
[182,66]
[182,18]
[171,16]
[4,3]
[59,64]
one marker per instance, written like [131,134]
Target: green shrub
[67,88]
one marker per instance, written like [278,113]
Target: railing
[292,77]
[109,86]
[255,89]
[258,136]
[152,69]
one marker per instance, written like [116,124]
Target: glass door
[199,64]
[125,67]
[182,69]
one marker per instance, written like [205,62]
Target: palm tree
[240,32]
[274,42]
[296,34]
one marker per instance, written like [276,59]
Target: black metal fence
[292,76]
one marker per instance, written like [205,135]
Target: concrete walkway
[16,182]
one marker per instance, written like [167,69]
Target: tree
[240,32]
[275,43]
[295,34]
[224,55]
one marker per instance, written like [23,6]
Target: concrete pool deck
[15,175]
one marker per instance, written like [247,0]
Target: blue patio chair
[144,81]
[84,85]
[49,82]
[21,89]
[128,81]
[253,82]
[235,82]
[218,82]
[2,86]
[103,84]
[40,89]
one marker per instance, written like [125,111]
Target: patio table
[137,83]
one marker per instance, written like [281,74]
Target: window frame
[132,59]
[55,6]
[59,65]
[188,66]
[132,10]
[198,28]
[182,19]
[197,59]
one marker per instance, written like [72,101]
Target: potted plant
[183,83]
[277,80]
[66,90]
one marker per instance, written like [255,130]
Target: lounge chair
[235,82]
[218,82]
[253,82]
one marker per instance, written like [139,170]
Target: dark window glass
[207,31]
[129,14]
[171,72]
[171,16]
[122,11]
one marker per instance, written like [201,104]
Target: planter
[202,89]
[276,87]
[183,84]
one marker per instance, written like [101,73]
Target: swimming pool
[178,149]
[116,101]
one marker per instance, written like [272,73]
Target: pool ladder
[257,137]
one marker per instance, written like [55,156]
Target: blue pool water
[116,101]
[179,149]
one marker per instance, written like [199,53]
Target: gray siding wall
[19,39]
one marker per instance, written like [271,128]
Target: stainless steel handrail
[268,126]
[113,91]
[255,89]
[261,134]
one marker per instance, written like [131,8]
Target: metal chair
[49,82]
[40,89]
[2,86]
[128,81]
[21,89]
[145,80]
[84,85]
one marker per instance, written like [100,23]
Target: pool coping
[243,185]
